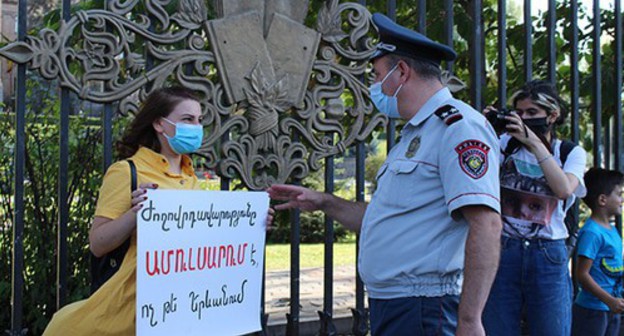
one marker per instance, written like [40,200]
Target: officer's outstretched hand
[296,197]
[269,221]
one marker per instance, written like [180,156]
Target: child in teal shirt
[599,265]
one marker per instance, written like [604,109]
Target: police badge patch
[473,158]
[413,147]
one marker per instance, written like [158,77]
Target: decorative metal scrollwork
[286,82]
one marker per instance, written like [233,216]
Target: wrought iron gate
[280,98]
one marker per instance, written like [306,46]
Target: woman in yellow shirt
[167,127]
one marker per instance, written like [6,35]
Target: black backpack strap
[133,176]
[513,145]
[571,216]
[103,268]
[564,150]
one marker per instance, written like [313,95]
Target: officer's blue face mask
[187,138]
[387,105]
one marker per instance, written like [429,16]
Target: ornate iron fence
[279,97]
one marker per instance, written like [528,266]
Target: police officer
[431,231]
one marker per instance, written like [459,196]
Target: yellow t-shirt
[111,309]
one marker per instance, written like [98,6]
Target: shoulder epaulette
[449,114]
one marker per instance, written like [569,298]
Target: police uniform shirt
[529,207]
[413,236]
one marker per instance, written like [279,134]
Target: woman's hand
[488,109]
[517,129]
[107,234]
[138,196]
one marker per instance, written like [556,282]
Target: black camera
[497,119]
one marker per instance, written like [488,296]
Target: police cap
[399,40]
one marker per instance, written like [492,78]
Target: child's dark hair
[598,182]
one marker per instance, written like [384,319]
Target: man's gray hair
[424,69]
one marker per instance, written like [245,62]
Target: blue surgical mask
[387,105]
[187,139]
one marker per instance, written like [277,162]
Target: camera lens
[497,120]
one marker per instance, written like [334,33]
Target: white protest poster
[199,262]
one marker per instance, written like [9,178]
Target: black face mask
[539,126]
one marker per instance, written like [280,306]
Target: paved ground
[311,297]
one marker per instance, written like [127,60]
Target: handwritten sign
[199,262]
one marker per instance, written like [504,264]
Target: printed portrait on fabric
[527,200]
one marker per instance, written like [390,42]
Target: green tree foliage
[463,42]
[85,170]
[41,203]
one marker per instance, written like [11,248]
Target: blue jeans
[533,278]
[414,316]
[594,322]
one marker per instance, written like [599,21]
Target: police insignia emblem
[449,114]
[473,158]
[413,147]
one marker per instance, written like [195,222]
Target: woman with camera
[540,178]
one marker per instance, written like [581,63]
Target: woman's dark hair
[543,94]
[160,103]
